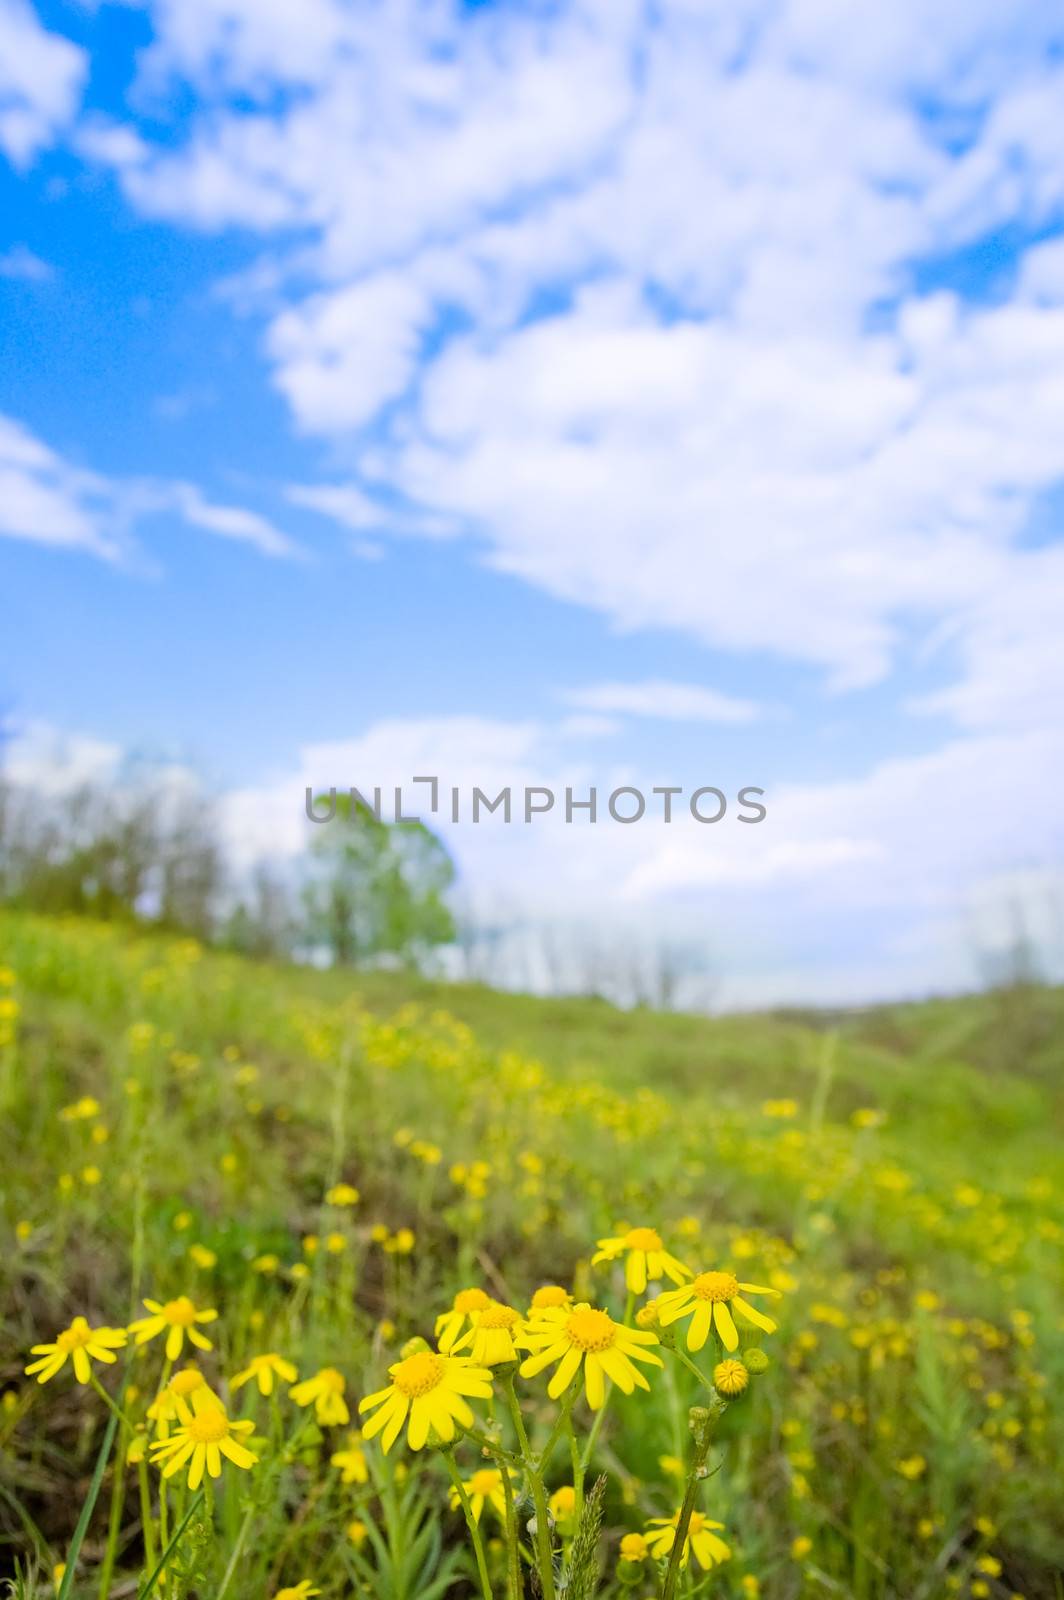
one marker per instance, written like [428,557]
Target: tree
[377,889]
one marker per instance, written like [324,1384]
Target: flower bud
[647,1315]
[414,1347]
[755,1361]
[730,1378]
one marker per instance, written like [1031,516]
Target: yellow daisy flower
[606,1348]
[491,1336]
[351,1461]
[433,1389]
[177,1318]
[80,1344]
[484,1487]
[709,1301]
[450,1324]
[264,1369]
[342,1194]
[297,1591]
[204,1436]
[701,1538]
[165,1408]
[550,1297]
[647,1259]
[633,1547]
[325,1391]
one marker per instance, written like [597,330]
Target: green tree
[376,888]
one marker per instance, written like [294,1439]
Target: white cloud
[709,432]
[46,500]
[20,262]
[41,76]
[673,702]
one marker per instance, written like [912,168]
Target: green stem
[106,1398]
[703,1424]
[544,1544]
[88,1508]
[691,1367]
[238,1548]
[114,1521]
[513,1562]
[578,1472]
[555,1434]
[471,1524]
[147,1521]
[160,1565]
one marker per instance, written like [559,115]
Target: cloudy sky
[660,393]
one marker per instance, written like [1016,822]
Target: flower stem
[471,1523]
[160,1565]
[544,1544]
[703,1425]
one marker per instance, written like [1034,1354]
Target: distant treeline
[365,891]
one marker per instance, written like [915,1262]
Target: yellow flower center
[330,1381]
[697,1519]
[180,1313]
[208,1427]
[643,1239]
[551,1294]
[498,1316]
[187,1381]
[467,1300]
[486,1481]
[419,1374]
[716,1286]
[76,1337]
[591,1330]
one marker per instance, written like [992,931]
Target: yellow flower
[179,1317]
[164,1409]
[433,1390]
[266,1264]
[492,1335]
[912,1467]
[335,1243]
[325,1391]
[342,1194]
[78,1343]
[730,1378]
[634,1547]
[297,1591]
[357,1532]
[263,1369]
[449,1324]
[81,1110]
[204,1436]
[801,1547]
[550,1297]
[351,1460]
[563,1506]
[401,1243]
[701,1538]
[202,1256]
[647,1258]
[606,1348]
[707,1301]
[484,1486]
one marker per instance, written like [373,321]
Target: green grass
[921,1258]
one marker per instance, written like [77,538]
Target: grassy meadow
[328,1160]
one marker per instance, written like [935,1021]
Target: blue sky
[597,392]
